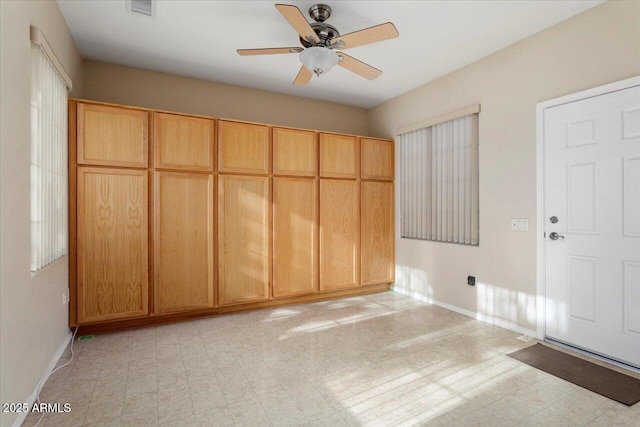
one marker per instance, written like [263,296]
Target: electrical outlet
[471,280]
[65,298]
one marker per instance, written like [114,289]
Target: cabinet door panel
[339,234]
[183,142]
[243,148]
[338,156]
[243,239]
[377,233]
[184,255]
[377,159]
[294,236]
[112,244]
[112,136]
[294,152]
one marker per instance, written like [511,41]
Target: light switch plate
[519,224]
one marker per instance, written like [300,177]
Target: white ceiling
[199,38]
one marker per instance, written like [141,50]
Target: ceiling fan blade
[303,77]
[369,35]
[358,67]
[297,20]
[269,51]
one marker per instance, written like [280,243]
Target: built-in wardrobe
[177,216]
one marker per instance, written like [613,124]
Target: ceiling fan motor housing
[325,32]
[320,12]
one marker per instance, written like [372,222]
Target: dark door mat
[601,380]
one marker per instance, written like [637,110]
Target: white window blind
[439,182]
[48,160]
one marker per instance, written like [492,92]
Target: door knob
[556,236]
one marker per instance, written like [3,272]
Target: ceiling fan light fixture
[319,39]
[319,60]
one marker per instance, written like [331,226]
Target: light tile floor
[379,360]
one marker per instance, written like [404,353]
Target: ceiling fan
[321,40]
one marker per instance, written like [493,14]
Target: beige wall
[134,86]
[33,318]
[599,46]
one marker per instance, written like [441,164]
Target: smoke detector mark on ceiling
[143,7]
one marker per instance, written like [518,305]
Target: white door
[592,203]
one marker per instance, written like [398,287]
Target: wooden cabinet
[112,245]
[183,142]
[294,152]
[243,238]
[338,156]
[224,216]
[112,136]
[376,212]
[295,241]
[377,159]
[243,148]
[184,253]
[376,236]
[339,234]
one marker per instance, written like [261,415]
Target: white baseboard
[478,316]
[34,395]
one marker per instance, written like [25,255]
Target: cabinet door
[183,142]
[243,148]
[377,159]
[339,234]
[184,255]
[112,136]
[377,242]
[243,239]
[338,156]
[112,244]
[294,152]
[294,236]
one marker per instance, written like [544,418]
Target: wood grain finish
[243,239]
[298,21]
[369,35]
[303,77]
[243,148]
[377,233]
[112,136]
[377,159]
[269,51]
[295,242]
[339,234]
[338,156]
[360,68]
[183,142]
[295,247]
[295,152]
[184,255]
[112,244]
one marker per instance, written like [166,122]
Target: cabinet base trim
[177,317]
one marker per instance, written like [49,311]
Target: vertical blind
[439,182]
[48,161]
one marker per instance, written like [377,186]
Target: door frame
[540,220]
